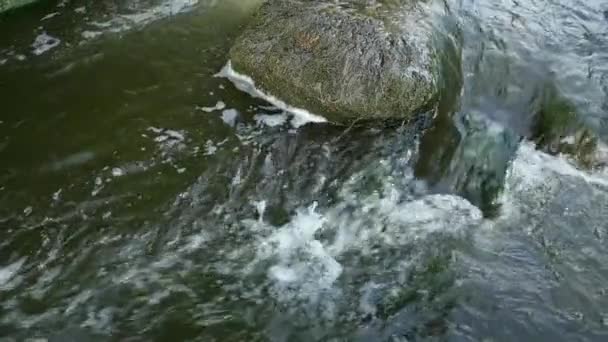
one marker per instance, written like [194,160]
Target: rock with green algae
[347,61]
[560,129]
[6,5]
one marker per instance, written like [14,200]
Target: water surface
[142,198]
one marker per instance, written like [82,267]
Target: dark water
[142,198]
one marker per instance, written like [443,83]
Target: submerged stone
[356,60]
[470,155]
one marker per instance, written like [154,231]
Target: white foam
[260,206]
[100,321]
[165,9]
[533,166]
[247,84]
[57,195]
[49,16]
[220,105]
[73,160]
[536,181]
[43,43]
[302,260]
[125,22]
[210,148]
[229,116]
[88,34]
[169,141]
[9,272]
[175,135]
[271,120]
[305,263]
[118,172]
[80,299]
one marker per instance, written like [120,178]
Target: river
[145,198]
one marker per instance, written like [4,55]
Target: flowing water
[143,198]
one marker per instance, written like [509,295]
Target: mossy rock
[360,60]
[560,129]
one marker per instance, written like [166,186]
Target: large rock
[359,60]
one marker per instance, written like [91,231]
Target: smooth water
[143,198]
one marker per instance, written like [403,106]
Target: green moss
[336,64]
[559,128]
